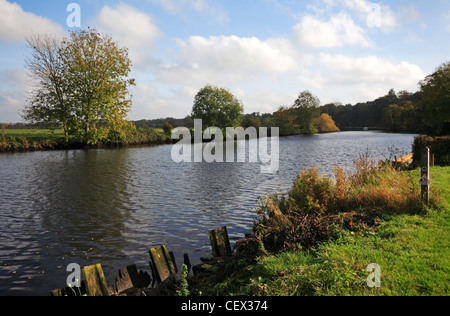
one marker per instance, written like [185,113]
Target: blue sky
[264,51]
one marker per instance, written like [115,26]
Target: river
[110,206]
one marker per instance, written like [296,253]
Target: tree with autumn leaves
[81,85]
[304,117]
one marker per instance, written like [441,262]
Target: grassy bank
[44,139]
[326,249]
[30,139]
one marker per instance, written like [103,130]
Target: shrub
[285,230]
[364,169]
[167,128]
[311,194]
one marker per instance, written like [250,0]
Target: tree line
[426,111]
[218,107]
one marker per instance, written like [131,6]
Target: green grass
[413,251]
[440,177]
[35,133]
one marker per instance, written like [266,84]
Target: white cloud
[149,103]
[242,54]
[251,68]
[264,99]
[13,85]
[339,31]
[365,9]
[371,14]
[16,24]
[229,60]
[265,74]
[359,79]
[132,29]
[371,69]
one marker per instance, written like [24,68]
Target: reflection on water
[111,206]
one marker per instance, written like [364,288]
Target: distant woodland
[396,112]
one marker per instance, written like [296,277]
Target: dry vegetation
[316,206]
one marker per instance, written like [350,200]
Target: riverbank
[12,140]
[297,253]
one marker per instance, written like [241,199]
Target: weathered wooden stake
[220,243]
[425,180]
[163,264]
[187,262]
[129,278]
[95,281]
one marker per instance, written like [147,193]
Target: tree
[325,124]
[285,119]
[167,128]
[401,117]
[48,102]
[81,85]
[251,120]
[307,108]
[217,107]
[97,73]
[435,90]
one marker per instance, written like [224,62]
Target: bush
[311,194]
[286,230]
[167,128]
[378,188]
[128,134]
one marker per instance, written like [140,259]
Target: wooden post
[95,281]
[220,243]
[425,180]
[187,262]
[129,278]
[163,264]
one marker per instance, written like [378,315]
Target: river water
[110,206]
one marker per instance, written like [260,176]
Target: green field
[35,133]
[412,250]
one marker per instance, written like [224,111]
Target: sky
[265,52]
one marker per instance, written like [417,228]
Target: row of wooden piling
[131,282]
